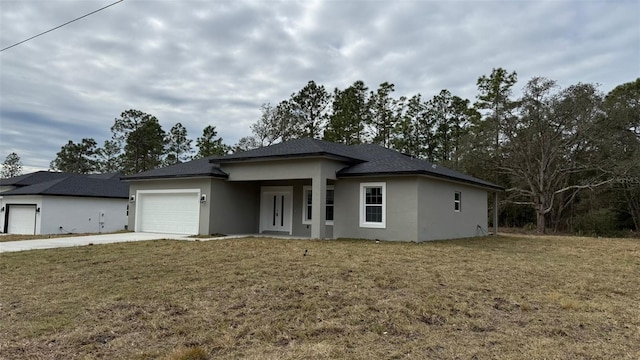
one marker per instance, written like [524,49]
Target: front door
[276,209]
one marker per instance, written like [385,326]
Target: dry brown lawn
[258,298]
[19,237]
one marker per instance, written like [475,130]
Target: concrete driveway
[22,245]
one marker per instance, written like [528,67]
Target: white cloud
[216,62]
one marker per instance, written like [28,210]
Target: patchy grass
[211,236]
[506,297]
[19,237]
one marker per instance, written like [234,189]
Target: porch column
[495,213]
[318,204]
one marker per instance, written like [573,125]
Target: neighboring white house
[56,203]
[312,188]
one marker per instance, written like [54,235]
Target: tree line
[568,157]
[138,143]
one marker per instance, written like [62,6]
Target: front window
[307,197]
[329,208]
[373,205]
[457,201]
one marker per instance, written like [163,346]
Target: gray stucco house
[311,188]
[47,202]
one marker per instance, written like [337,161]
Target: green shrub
[601,222]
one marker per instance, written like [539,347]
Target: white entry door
[22,219]
[276,209]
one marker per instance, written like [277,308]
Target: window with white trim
[373,212]
[457,201]
[307,202]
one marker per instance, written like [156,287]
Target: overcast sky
[215,62]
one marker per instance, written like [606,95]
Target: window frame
[363,205]
[306,204]
[457,201]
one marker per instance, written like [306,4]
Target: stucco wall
[234,207]
[203,185]
[280,169]
[3,214]
[437,217]
[82,215]
[73,214]
[417,209]
[401,209]
[288,172]
[298,227]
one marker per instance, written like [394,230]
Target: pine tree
[12,166]
[77,158]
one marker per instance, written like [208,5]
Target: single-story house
[47,202]
[311,188]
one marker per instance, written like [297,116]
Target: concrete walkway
[22,245]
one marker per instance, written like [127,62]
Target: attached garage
[21,219]
[172,212]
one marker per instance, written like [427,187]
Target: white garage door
[172,213]
[22,219]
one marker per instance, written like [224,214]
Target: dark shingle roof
[383,161]
[64,184]
[304,147]
[32,178]
[194,168]
[360,160]
[366,159]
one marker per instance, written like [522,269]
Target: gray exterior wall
[401,209]
[417,209]
[235,207]
[73,214]
[285,169]
[436,214]
[288,172]
[231,207]
[298,228]
[202,184]
[82,215]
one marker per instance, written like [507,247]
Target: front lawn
[259,298]
[20,237]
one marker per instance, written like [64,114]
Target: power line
[58,27]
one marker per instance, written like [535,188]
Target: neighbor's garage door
[22,219]
[172,213]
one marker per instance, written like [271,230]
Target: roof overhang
[68,195]
[324,155]
[173,177]
[490,187]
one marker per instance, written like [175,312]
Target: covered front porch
[287,198]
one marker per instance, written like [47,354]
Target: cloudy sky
[215,62]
